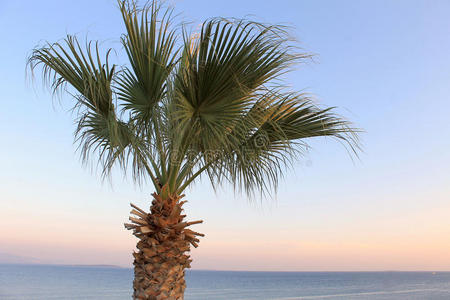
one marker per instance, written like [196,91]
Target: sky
[385,65]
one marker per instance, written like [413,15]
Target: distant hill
[96,266]
[8,258]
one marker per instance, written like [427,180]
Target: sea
[39,282]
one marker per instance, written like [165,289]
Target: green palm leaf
[150,47]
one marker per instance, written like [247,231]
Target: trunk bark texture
[162,250]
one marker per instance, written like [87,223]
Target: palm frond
[150,46]
[272,134]
[220,72]
[99,131]
[83,69]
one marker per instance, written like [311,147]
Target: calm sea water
[32,282]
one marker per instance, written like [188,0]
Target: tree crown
[210,103]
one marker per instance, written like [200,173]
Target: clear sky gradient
[384,64]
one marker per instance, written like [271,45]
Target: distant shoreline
[64,265]
[209,270]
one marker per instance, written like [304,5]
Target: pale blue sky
[384,64]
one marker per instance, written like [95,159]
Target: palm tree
[209,104]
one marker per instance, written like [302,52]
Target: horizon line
[220,270]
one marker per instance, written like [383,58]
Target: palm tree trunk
[164,241]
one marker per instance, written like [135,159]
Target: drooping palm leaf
[68,63]
[98,128]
